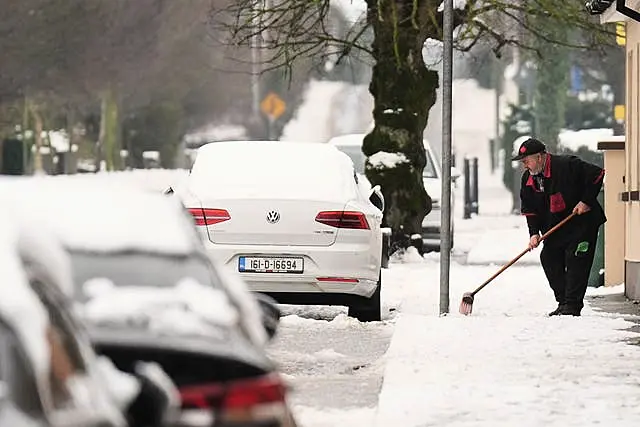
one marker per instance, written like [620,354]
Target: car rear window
[138,269]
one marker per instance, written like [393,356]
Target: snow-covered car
[49,372]
[148,291]
[351,145]
[292,219]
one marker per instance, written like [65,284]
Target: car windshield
[358,158]
[138,269]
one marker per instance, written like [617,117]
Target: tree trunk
[109,131]
[404,91]
[552,84]
[38,125]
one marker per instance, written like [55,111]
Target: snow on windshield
[139,269]
[187,308]
[272,169]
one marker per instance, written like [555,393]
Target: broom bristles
[466,305]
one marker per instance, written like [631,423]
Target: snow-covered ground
[505,365]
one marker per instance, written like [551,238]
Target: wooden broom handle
[521,254]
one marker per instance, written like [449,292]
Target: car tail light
[343,219]
[204,216]
[255,400]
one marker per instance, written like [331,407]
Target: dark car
[148,292]
[221,374]
[49,372]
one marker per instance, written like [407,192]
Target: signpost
[445,218]
[273,107]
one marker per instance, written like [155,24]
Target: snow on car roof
[92,216]
[351,139]
[356,139]
[273,169]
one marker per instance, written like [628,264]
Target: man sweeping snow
[553,186]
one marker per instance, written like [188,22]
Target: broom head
[466,305]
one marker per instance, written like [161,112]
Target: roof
[611,12]
[271,169]
[98,216]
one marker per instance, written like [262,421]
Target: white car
[292,219]
[432,177]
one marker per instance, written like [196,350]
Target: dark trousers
[567,266]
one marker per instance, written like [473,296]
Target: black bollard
[467,189]
[474,192]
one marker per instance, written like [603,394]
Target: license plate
[256,264]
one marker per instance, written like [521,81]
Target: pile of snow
[432,52]
[286,170]
[330,108]
[59,140]
[212,133]
[385,160]
[588,138]
[512,242]
[187,308]
[157,180]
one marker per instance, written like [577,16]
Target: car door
[20,404]
[73,398]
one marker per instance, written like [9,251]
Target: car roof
[100,217]
[356,139]
[292,147]
[272,169]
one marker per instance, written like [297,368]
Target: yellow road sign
[618,112]
[273,106]
[621,33]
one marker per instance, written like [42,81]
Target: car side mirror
[157,402]
[377,198]
[270,313]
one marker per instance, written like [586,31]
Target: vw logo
[273,217]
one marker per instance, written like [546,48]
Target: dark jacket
[566,181]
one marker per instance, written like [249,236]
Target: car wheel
[369,311]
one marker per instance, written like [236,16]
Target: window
[138,269]
[65,356]
[17,374]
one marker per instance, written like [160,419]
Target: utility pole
[445,218]
[255,76]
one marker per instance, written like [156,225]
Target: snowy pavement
[507,364]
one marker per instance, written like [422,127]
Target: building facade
[622,159]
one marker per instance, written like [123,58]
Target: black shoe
[557,311]
[570,310]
